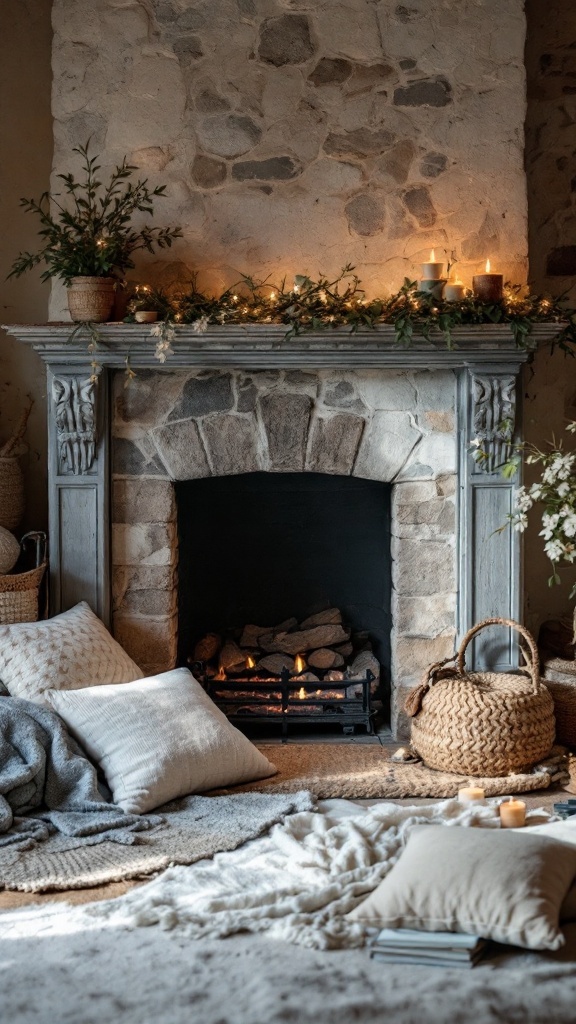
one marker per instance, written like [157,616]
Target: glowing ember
[250,663]
[302,693]
[299,664]
[221,675]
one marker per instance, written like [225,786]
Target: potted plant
[88,239]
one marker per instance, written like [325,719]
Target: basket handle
[532,667]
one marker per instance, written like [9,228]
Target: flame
[299,664]
[302,693]
[250,663]
[432,256]
[487,266]
[221,675]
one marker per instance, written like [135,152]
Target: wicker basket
[91,299]
[19,596]
[482,723]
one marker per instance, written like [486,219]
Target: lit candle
[512,813]
[488,287]
[454,291]
[432,271]
[471,795]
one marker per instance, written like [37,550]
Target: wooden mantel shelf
[266,347]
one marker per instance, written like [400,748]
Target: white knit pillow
[158,738]
[69,651]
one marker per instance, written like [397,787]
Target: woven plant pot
[11,492]
[91,299]
[482,723]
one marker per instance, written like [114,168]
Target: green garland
[323,304]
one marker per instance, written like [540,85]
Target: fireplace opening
[284,596]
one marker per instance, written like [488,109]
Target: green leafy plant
[150,299]
[87,230]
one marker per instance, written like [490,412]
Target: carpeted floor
[366,772]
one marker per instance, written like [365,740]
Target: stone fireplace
[237,401]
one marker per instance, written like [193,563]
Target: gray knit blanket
[47,785]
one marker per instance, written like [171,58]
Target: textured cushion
[496,884]
[71,650]
[159,738]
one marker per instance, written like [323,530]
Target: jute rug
[194,828]
[358,771]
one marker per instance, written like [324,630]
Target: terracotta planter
[91,299]
[145,316]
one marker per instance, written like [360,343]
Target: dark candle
[488,287]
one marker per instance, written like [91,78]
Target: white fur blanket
[296,884]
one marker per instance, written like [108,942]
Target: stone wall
[390,426]
[299,135]
[550,384]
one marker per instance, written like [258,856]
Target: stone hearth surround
[390,426]
[246,399]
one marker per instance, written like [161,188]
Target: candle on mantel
[488,287]
[471,795]
[454,291]
[432,271]
[512,813]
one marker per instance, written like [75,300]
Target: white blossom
[555,550]
[549,522]
[569,524]
[524,501]
[200,326]
[520,522]
[476,442]
[563,489]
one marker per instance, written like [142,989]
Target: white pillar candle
[432,271]
[512,813]
[454,291]
[471,795]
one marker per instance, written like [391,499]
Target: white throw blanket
[296,884]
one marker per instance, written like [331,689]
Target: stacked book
[431,949]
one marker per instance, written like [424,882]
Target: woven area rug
[194,828]
[357,771]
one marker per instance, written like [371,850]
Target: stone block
[424,616]
[181,450]
[434,455]
[275,168]
[231,442]
[135,458]
[203,394]
[228,135]
[429,92]
[398,161]
[143,501]
[286,40]
[443,422]
[359,143]
[386,444]
[334,444]
[142,577]
[418,203]
[143,543]
[330,71]
[150,397]
[400,722]
[433,164]
[147,602]
[393,391]
[286,419]
[343,395]
[366,214]
[436,512]
[208,172]
[422,568]
[151,641]
[413,655]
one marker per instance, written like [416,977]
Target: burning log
[325,658]
[332,616]
[304,640]
[232,658]
[275,663]
[208,647]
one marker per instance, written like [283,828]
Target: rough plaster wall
[25,159]
[550,392]
[299,135]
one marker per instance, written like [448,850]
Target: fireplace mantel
[266,347]
[482,369]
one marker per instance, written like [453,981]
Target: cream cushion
[69,651]
[158,738]
[496,884]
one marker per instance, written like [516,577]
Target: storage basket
[19,595]
[560,679]
[482,723]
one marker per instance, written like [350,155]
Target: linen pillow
[496,884]
[158,738]
[69,651]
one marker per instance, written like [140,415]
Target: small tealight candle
[488,287]
[471,795]
[454,291]
[512,813]
[432,271]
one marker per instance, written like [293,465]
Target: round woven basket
[91,299]
[11,492]
[482,723]
[19,596]
[564,697]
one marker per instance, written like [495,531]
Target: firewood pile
[319,648]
